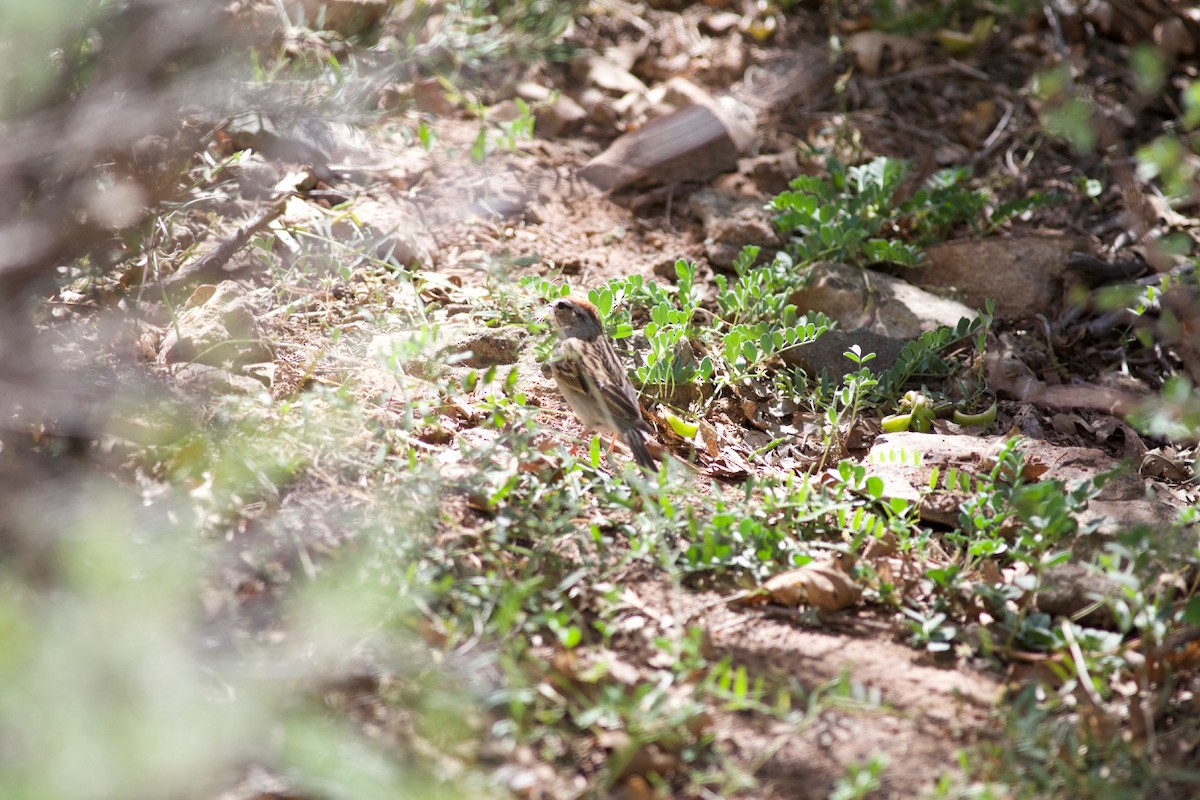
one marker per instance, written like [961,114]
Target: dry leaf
[976,123]
[822,584]
[1165,464]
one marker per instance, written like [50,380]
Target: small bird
[591,378]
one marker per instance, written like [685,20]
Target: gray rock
[216,326]
[606,75]
[474,346]
[560,117]
[856,298]
[826,353]
[732,222]
[1068,589]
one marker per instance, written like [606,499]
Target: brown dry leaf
[638,788]
[822,584]
[990,573]
[708,435]
[1165,464]
[976,123]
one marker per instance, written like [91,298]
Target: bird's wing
[608,385]
[568,366]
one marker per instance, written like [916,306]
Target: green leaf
[682,427]
[479,148]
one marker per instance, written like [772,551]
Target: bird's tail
[637,443]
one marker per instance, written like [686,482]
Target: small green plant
[760,294]
[860,780]
[929,629]
[843,218]
[841,412]
[1049,749]
[1004,513]
[775,521]
[853,216]
[474,38]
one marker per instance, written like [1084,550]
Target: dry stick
[210,264]
[996,138]
[1085,678]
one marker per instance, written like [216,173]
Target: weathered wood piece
[691,144]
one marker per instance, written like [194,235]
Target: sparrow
[591,378]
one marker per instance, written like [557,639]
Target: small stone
[601,73]
[680,93]
[598,106]
[430,97]
[558,118]
[732,222]
[532,92]
[215,326]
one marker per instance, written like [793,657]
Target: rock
[889,306]
[1023,274]
[347,17]
[691,144]
[599,107]
[480,348]
[897,314]
[731,222]
[554,117]
[392,226]
[772,173]
[216,326]
[216,380]
[504,111]
[557,118]
[256,176]
[532,92]
[430,97]
[1070,588]
[679,92]
[606,75]
[826,353]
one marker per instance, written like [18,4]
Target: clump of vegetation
[855,217]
